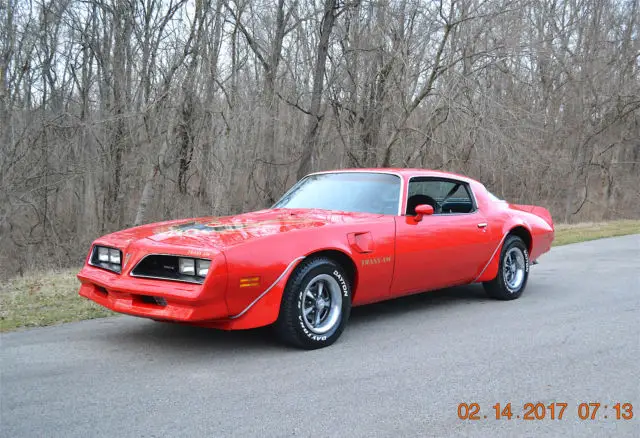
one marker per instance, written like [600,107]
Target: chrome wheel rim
[513,269]
[321,304]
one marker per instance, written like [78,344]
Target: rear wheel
[315,305]
[513,271]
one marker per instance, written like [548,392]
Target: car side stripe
[491,258]
[268,289]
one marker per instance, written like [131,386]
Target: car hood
[218,233]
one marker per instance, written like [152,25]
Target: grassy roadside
[47,298]
[574,233]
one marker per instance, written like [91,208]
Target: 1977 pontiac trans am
[335,240]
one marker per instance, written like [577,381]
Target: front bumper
[156,299]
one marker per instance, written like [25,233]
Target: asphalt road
[400,369]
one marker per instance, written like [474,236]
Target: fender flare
[265,308]
[490,270]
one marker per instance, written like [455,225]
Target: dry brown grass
[45,298]
[583,232]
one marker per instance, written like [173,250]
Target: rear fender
[541,212]
[490,271]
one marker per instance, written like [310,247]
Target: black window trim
[464,184]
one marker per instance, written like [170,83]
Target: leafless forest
[120,112]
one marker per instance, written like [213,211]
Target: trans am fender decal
[293,262]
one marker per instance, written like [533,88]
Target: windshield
[346,191]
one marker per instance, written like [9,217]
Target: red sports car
[335,240]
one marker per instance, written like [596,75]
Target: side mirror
[423,210]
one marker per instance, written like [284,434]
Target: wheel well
[524,234]
[345,262]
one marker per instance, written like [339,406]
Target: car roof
[404,173]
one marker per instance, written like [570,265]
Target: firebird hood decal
[225,232]
[219,227]
[218,233]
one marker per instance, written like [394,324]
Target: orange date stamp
[542,411]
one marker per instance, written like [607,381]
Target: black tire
[293,326]
[501,287]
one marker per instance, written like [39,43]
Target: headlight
[202,267]
[172,267]
[193,267]
[187,266]
[114,256]
[106,258]
[103,254]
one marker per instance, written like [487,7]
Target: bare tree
[118,112]
[311,137]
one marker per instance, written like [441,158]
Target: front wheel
[315,305]
[513,271]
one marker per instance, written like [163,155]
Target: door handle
[482,225]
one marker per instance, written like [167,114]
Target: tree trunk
[311,137]
[149,185]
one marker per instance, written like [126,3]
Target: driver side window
[444,195]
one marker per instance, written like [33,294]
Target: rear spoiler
[538,211]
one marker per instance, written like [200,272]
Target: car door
[444,249]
